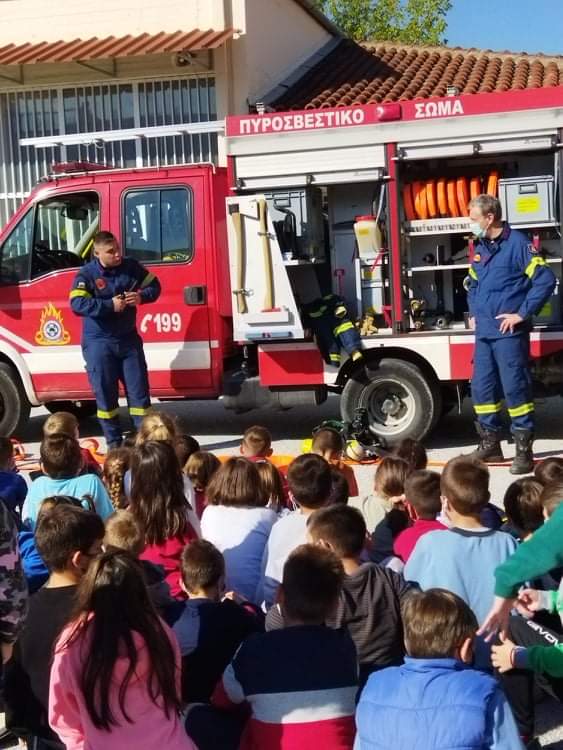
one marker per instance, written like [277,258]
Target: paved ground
[220,431]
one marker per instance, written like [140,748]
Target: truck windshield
[56,233]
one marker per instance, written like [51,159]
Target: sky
[514,25]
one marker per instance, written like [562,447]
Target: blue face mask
[477,230]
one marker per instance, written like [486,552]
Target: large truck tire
[400,399]
[14,406]
[80,409]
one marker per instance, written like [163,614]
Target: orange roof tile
[94,48]
[388,72]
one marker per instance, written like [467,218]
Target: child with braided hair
[115,467]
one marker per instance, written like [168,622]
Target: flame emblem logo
[51,328]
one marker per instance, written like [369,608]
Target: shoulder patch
[533,249]
[477,257]
[81,285]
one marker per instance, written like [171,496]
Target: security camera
[182,59]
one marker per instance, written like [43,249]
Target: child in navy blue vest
[435,700]
[13,488]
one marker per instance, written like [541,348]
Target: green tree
[407,21]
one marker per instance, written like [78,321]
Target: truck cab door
[41,251]
[163,227]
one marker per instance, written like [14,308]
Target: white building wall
[50,20]
[280,35]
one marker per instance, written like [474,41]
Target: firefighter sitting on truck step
[106,293]
[508,283]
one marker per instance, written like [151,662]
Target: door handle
[195,295]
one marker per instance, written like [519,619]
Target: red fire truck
[366,202]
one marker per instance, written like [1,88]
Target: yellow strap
[87,249]
[149,278]
[334,357]
[138,411]
[343,327]
[487,408]
[473,274]
[107,414]
[79,293]
[519,411]
[533,264]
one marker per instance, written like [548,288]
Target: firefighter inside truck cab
[106,293]
[508,283]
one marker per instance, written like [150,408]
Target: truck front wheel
[14,406]
[400,400]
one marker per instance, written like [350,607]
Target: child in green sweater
[533,653]
[541,553]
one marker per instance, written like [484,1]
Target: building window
[82,109]
[158,225]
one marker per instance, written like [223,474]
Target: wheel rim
[391,406]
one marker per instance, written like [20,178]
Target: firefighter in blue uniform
[106,293]
[509,282]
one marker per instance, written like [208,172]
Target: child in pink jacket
[115,679]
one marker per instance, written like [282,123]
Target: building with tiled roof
[89,81]
[351,74]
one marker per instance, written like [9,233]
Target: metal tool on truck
[364,206]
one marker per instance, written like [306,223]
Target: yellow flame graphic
[51,335]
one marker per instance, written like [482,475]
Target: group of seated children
[187,602]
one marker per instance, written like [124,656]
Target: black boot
[489,449]
[524,460]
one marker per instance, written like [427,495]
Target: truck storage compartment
[325,250]
[275,251]
[437,246]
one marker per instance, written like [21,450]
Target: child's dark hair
[185,446]
[422,491]
[340,489]
[523,505]
[272,484]
[436,623]
[549,470]
[115,467]
[237,483]
[202,566]
[257,441]
[63,530]
[6,452]
[200,467]
[327,440]
[124,532]
[413,452]
[311,584]
[341,526]
[310,480]
[113,608]
[465,484]
[551,497]
[61,457]
[390,476]
[157,491]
